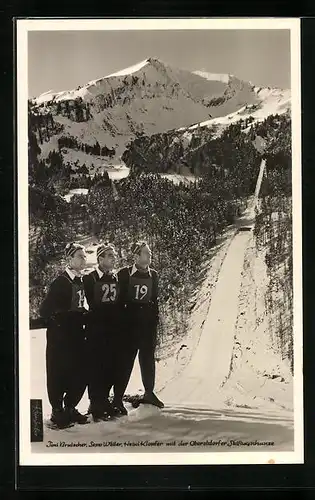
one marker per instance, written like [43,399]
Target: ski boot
[60,419]
[119,409]
[101,412]
[151,399]
[75,416]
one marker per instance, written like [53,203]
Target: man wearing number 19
[64,310]
[139,294]
[103,334]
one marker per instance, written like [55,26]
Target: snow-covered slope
[271,102]
[130,69]
[148,98]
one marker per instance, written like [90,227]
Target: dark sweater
[103,297]
[139,295]
[64,305]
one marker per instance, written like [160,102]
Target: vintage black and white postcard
[159,227]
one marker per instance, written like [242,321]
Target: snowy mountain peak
[147,98]
[153,61]
[153,72]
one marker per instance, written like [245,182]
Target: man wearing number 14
[64,310]
[104,334]
[139,296]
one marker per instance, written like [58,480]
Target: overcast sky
[62,60]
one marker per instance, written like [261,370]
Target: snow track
[211,361]
[209,366]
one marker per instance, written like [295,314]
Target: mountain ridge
[154,62]
[147,98]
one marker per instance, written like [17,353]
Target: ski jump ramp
[201,379]
[211,360]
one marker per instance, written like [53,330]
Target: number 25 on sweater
[110,292]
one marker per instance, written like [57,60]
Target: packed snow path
[211,361]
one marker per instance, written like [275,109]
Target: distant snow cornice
[220,77]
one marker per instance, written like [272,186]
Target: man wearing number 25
[103,334]
[64,310]
[139,294]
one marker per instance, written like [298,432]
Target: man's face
[108,260]
[144,258]
[78,261]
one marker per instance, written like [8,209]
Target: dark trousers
[102,353]
[65,370]
[141,340]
